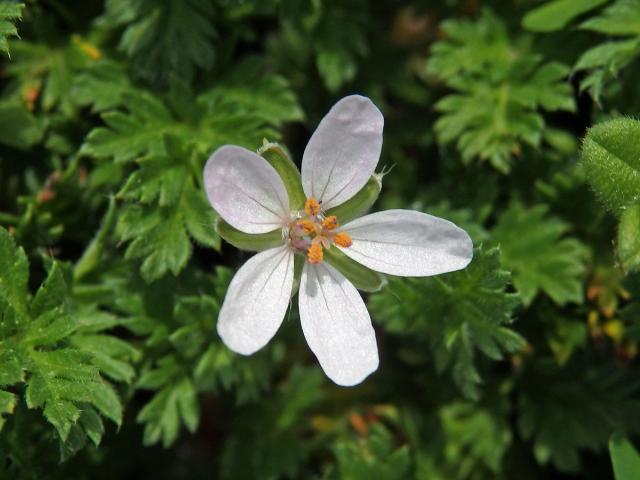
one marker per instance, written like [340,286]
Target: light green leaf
[9,12]
[541,259]
[557,14]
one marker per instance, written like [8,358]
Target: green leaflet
[557,14]
[625,458]
[248,241]
[360,203]
[499,94]
[540,257]
[611,159]
[457,315]
[9,12]
[37,349]
[629,238]
[362,277]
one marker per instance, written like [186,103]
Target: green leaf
[629,238]
[174,404]
[454,314]
[19,128]
[541,259]
[573,408]
[362,277]
[37,348]
[9,12]
[7,405]
[173,37]
[625,458]
[375,456]
[611,159]
[165,208]
[496,108]
[557,14]
[620,23]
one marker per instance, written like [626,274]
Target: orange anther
[343,239]
[307,225]
[330,222]
[312,207]
[315,253]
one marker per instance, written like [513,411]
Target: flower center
[311,231]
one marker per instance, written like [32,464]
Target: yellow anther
[312,207]
[307,225]
[330,222]
[343,239]
[315,253]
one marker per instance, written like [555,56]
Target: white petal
[337,325]
[343,151]
[245,190]
[408,243]
[257,300]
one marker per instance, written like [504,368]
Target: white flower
[341,156]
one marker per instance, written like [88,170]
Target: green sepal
[629,238]
[360,203]
[253,242]
[298,264]
[362,277]
[279,159]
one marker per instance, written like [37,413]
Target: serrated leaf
[611,159]
[9,13]
[495,110]
[596,401]
[602,63]
[542,259]
[173,37]
[454,314]
[36,348]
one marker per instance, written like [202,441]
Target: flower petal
[257,300]
[245,190]
[343,151]
[408,243]
[337,325]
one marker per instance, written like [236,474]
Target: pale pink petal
[337,325]
[343,151]
[257,300]
[408,243]
[245,190]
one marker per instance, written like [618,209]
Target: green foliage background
[111,272]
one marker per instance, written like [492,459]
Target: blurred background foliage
[111,273]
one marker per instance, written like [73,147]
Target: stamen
[330,222]
[315,253]
[307,225]
[343,239]
[312,207]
